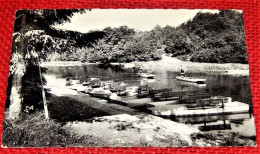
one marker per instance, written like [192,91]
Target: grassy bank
[65,109]
[90,127]
[112,131]
[35,131]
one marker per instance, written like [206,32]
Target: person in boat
[182,72]
[68,81]
[139,90]
[83,79]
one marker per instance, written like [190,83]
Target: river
[235,86]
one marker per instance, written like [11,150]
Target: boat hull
[183,111]
[191,79]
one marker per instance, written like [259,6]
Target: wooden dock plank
[162,103]
[182,110]
[132,101]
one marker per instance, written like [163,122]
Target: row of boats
[182,77]
[162,102]
[95,86]
[103,89]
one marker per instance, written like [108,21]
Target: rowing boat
[191,79]
[146,75]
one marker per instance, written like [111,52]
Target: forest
[208,37]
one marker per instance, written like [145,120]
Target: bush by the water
[35,131]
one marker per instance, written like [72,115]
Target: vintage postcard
[129,78]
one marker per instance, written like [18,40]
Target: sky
[139,19]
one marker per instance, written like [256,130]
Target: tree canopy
[35,37]
[215,38]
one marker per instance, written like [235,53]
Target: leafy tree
[33,39]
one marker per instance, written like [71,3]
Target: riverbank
[89,127]
[35,131]
[120,126]
[171,64]
[66,63]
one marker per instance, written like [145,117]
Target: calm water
[237,87]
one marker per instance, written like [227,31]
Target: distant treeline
[215,38]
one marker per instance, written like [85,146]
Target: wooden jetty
[165,102]
[184,110]
[211,118]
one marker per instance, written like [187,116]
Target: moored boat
[129,65]
[96,86]
[122,93]
[100,95]
[211,106]
[191,79]
[85,83]
[146,75]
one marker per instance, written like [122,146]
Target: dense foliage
[122,44]
[216,38]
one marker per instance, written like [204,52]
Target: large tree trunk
[18,69]
[15,97]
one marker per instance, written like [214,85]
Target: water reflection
[237,87]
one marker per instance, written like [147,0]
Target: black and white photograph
[128,78]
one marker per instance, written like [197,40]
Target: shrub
[35,131]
